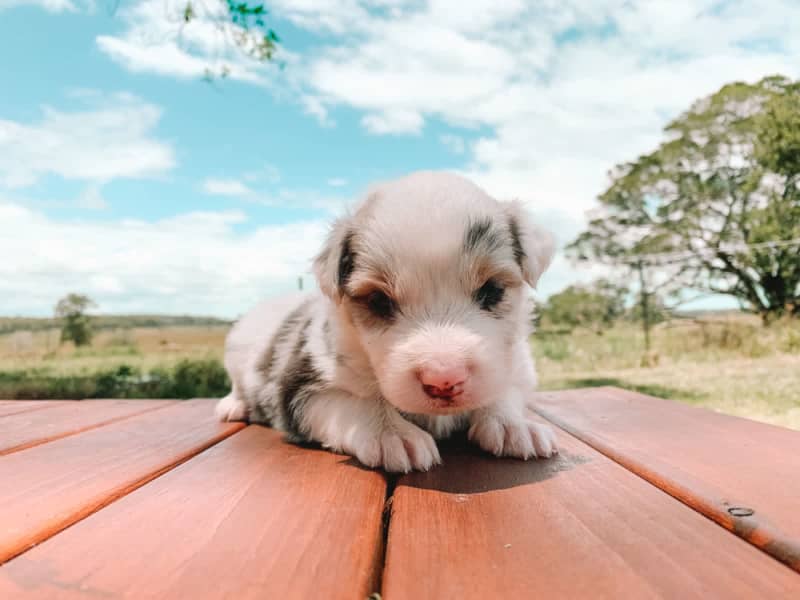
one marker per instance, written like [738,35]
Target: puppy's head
[431,273]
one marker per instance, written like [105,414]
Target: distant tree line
[597,306]
[77,325]
[101,322]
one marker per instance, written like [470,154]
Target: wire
[683,255]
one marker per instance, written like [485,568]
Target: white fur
[407,237]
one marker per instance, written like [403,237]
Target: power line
[683,255]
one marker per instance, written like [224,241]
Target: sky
[127,176]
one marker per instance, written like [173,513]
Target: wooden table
[149,499]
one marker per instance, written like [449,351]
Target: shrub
[186,379]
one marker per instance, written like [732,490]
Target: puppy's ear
[533,246]
[336,261]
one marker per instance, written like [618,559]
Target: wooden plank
[251,517]
[742,474]
[575,526]
[12,407]
[27,429]
[51,486]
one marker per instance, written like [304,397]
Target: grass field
[170,361]
[731,364]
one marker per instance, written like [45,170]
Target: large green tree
[716,207]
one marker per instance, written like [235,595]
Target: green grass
[185,379]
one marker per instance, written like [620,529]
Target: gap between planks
[126,409]
[15,407]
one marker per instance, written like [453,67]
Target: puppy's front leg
[370,430]
[504,430]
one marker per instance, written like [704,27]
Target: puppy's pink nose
[442,381]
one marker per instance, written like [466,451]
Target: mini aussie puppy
[421,329]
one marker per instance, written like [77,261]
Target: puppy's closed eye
[489,294]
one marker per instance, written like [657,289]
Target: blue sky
[126,176]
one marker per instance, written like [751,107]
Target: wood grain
[576,526]
[742,474]
[51,486]
[251,517]
[26,429]
[12,407]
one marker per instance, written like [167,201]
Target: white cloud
[329,204]
[92,198]
[565,89]
[393,121]
[53,6]
[336,16]
[227,187]
[454,143]
[262,187]
[110,139]
[193,263]
[314,106]
[411,66]
[161,58]
[560,90]
[269,174]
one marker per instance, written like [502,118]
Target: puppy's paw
[397,449]
[519,438]
[231,408]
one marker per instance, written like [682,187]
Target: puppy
[421,329]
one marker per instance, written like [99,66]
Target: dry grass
[139,347]
[732,365]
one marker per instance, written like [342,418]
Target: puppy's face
[431,273]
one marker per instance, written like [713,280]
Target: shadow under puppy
[421,329]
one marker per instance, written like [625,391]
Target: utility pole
[645,306]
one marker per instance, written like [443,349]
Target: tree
[218,32]
[716,207]
[77,325]
[595,306]
[242,24]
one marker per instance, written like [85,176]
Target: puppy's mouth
[448,394]
[443,401]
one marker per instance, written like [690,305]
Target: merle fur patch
[299,381]
[516,242]
[479,234]
[267,363]
[347,262]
